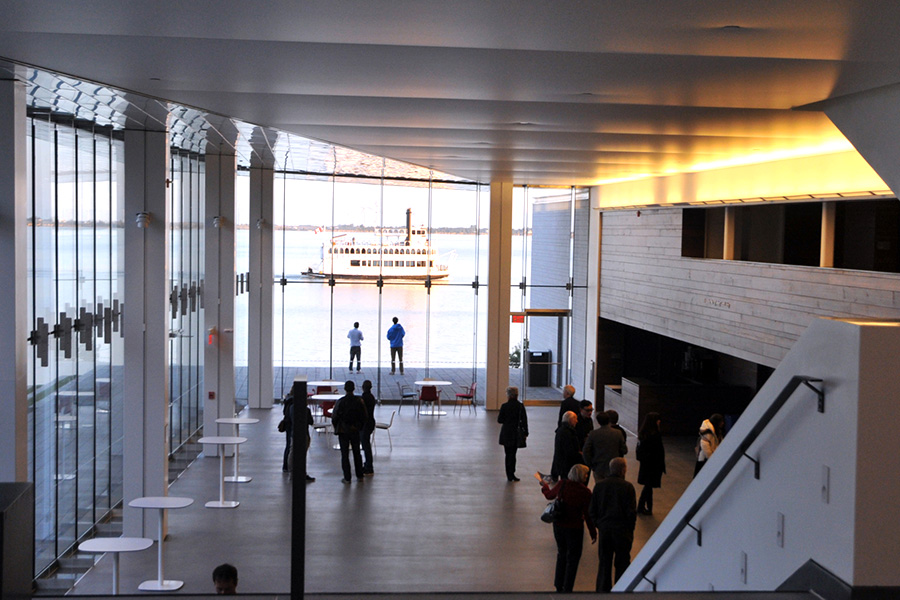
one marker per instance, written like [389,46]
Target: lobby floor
[438,515]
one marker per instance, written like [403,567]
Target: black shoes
[513,478]
[309,478]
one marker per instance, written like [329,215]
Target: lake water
[446,328]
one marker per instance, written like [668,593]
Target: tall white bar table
[436,384]
[222,440]
[102,545]
[324,398]
[237,422]
[161,503]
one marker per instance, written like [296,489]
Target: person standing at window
[395,337]
[356,338]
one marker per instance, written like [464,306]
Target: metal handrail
[723,472]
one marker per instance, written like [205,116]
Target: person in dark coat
[513,420]
[287,425]
[365,436]
[566,452]
[569,530]
[349,418]
[613,510]
[652,456]
[569,403]
[585,423]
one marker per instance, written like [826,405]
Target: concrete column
[826,248]
[499,260]
[261,276]
[218,289]
[146,326]
[728,241]
[14,328]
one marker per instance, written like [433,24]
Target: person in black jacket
[365,436]
[566,452]
[613,510]
[513,429]
[585,423]
[652,456]
[349,418]
[287,427]
[569,403]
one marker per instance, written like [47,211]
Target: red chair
[467,397]
[324,426]
[429,393]
[327,405]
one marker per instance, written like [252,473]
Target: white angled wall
[850,527]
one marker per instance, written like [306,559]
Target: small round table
[237,422]
[161,503]
[432,412]
[112,545]
[222,440]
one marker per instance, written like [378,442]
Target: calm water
[440,326]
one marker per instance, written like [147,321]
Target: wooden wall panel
[754,311]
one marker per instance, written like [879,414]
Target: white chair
[386,427]
[406,393]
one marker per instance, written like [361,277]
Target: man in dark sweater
[585,423]
[614,511]
[565,447]
[601,446]
[569,403]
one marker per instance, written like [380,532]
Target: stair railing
[736,455]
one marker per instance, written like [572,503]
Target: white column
[14,329]
[146,326]
[259,376]
[218,292]
[592,308]
[499,261]
[826,245]
[729,238]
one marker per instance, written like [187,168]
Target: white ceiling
[537,92]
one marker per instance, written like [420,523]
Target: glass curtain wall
[75,290]
[549,271]
[186,334]
[365,250]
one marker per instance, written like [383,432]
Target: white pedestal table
[222,440]
[161,503]
[237,422]
[114,546]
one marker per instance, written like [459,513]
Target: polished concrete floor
[438,515]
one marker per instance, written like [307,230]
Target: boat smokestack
[408,226]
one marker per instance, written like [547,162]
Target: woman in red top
[569,530]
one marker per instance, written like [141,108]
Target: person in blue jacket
[395,337]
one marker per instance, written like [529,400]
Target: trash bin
[539,369]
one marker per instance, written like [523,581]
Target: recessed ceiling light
[523,123]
